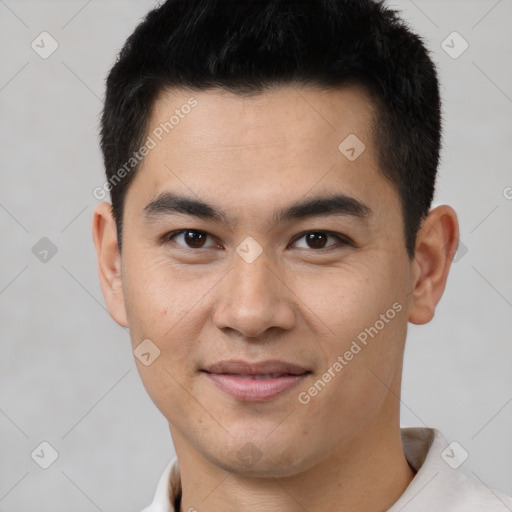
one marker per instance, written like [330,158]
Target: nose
[254,298]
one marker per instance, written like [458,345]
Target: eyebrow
[167,204]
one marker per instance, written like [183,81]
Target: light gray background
[67,374]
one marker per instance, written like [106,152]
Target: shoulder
[441,482]
[167,489]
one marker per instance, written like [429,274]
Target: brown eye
[318,240]
[194,239]
[191,238]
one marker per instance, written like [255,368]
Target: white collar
[437,485]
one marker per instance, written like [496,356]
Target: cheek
[346,396]
[371,327]
[346,299]
[363,309]
[155,296]
[162,305]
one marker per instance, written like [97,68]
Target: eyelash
[345,241]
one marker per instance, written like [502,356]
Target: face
[297,256]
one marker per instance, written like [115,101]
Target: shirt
[438,485]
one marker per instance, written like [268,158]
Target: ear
[109,261]
[436,245]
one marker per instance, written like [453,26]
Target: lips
[238,367]
[255,382]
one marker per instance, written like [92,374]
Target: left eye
[318,239]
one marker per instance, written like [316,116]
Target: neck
[371,474]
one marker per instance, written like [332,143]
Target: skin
[251,156]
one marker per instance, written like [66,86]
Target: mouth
[255,382]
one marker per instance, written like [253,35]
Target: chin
[261,461]
[262,469]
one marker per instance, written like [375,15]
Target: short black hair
[247,46]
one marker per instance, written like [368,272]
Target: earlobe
[436,245]
[109,261]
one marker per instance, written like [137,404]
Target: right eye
[191,238]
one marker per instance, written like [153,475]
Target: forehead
[285,142]
[294,117]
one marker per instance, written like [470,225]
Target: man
[271,166]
